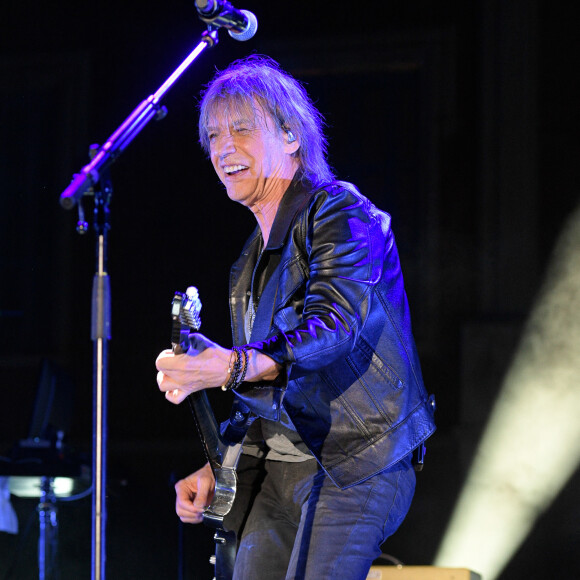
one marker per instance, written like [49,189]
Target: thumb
[202,499]
[205,490]
[198,343]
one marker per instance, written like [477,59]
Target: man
[324,356]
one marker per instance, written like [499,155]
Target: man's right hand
[194,495]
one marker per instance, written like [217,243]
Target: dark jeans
[301,526]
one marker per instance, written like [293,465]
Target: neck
[265,209]
[265,214]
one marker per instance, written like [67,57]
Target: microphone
[241,24]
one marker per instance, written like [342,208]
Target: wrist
[247,364]
[261,367]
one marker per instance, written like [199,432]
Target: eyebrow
[236,123]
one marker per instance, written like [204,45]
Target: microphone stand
[100,335]
[85,183]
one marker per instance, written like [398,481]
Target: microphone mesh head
[251,29]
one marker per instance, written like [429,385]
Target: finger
[164,359]
[175,396]
[166,383]
[167,353]
[189,515]
[191,520]
[185,508]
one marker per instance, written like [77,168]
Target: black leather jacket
[334,313]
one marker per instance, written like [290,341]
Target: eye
[212,136]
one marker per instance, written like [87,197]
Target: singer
[323,353]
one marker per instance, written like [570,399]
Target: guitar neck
[207,427]
[204,419]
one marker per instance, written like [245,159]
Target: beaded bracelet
[244,350]
[240,368]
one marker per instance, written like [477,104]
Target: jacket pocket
[369,359]
[293,277]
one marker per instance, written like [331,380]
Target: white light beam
[531,446]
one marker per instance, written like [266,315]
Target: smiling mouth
[234,169]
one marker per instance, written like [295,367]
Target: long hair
[259,79]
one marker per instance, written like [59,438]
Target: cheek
[214,161]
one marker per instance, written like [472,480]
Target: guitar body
[225,554]
[222,453]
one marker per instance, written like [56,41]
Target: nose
[224,145]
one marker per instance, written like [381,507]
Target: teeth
[233,168]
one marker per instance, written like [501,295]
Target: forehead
[231,111]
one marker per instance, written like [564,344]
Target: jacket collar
[295,198]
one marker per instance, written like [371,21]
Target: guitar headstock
[190,309]
[185,313]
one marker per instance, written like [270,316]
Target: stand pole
[100,335]
[48,532]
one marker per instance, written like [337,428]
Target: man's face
[251,156]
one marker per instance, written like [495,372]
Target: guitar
[222,450]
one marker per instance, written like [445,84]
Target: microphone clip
[241,24]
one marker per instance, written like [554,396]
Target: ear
[292,144]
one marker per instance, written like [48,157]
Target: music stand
[39,464]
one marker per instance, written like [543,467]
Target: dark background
[459,118]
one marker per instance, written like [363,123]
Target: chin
[236,195]
[239,192]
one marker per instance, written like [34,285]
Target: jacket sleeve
[345,240]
